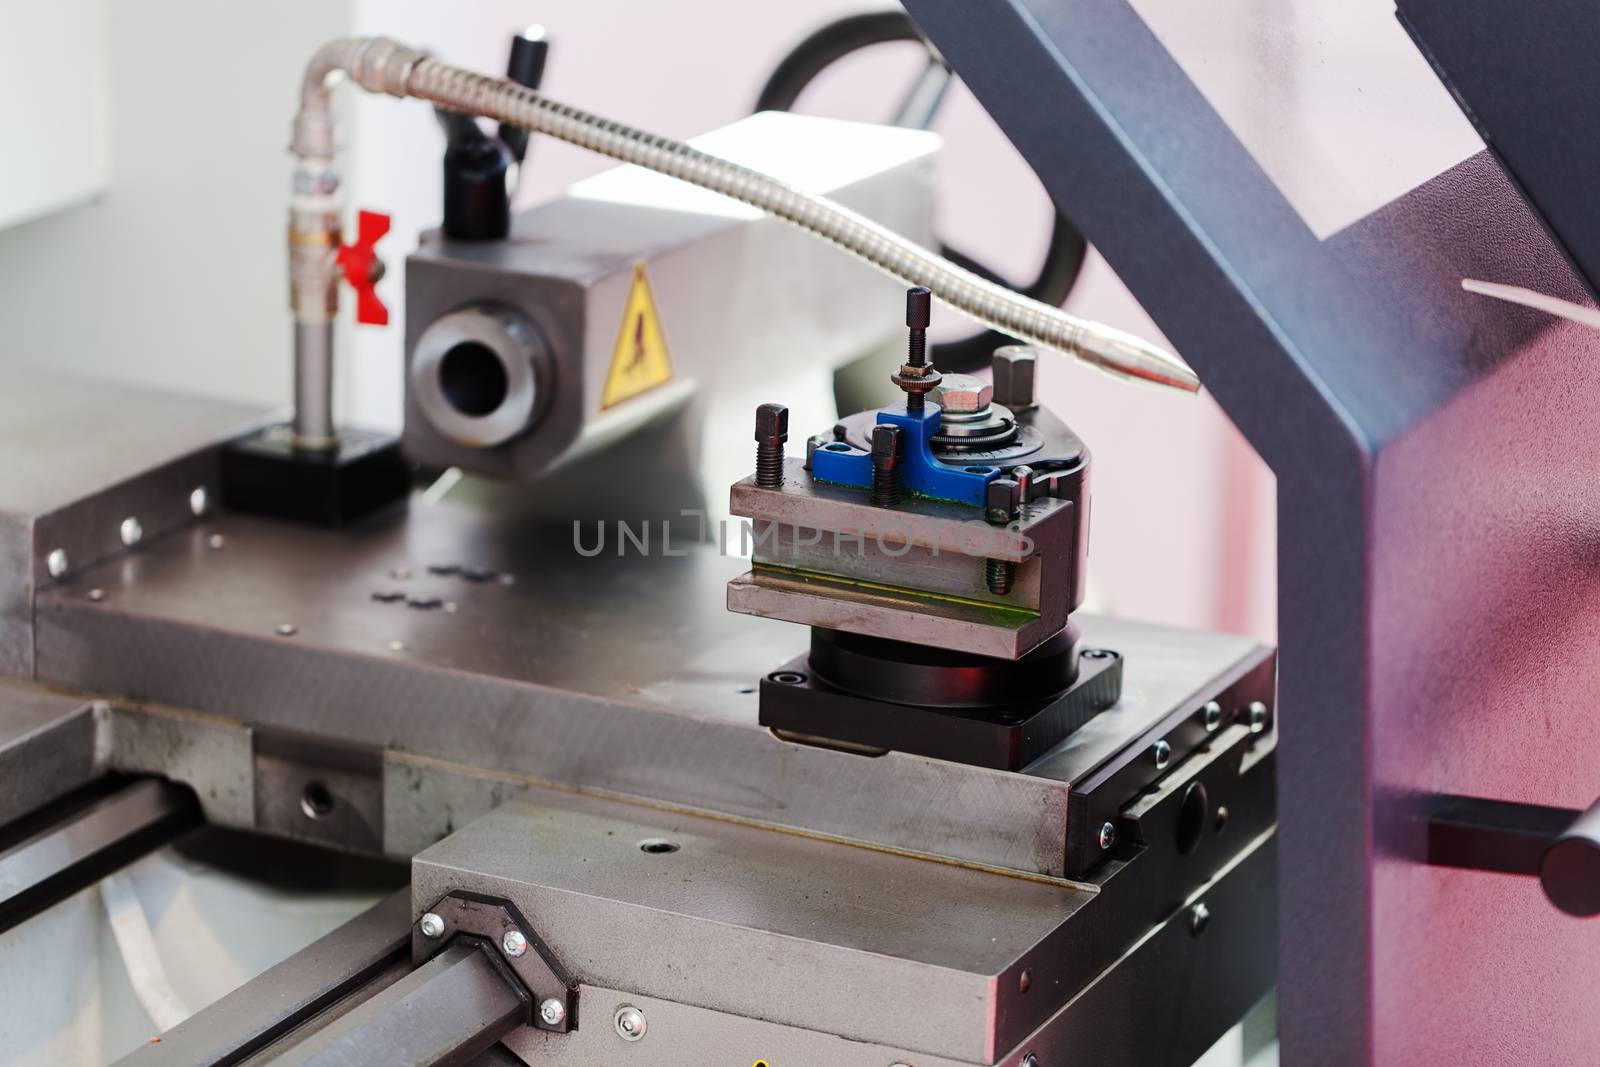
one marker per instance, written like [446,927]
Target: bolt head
[1161,752]
[919,307]
[1030,1060]
[1257,716]
[513,943]
[886,444]
[199,500]
[962,394]
[1013,370]
[772,423]
[552,1012]
[1199,918]
[1001,499]
[431,925]
[56,562]
[130,531]
[1213,716]
[1108,835]
[630,1023]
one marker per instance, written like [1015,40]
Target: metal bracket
[498,922]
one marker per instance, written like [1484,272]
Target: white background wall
[52,75]
[174,276]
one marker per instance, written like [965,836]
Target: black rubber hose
[1063,260]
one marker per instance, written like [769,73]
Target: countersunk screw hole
[316,801]
[657,846]
[786,678]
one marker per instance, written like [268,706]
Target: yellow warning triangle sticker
[639,362]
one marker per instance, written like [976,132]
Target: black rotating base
[266,475]
[877,694]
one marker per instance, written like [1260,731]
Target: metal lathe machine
[685,706]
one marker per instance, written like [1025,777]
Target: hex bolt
[431,925]
[1213,716]
[630,1023]
[1002,498]
[513,943]
[1013,369]
[1161,752]
[131,531]
[1108,836]
[1256,714]
[772,430]
[886,452]
[56,562]
[552,1012]
[962,394]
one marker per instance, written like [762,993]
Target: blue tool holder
[920,471]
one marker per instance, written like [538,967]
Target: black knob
[1570,870]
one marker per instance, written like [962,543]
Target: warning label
[639,362]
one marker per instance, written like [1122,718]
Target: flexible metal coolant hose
[381,65]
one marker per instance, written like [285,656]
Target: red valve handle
[361,267]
